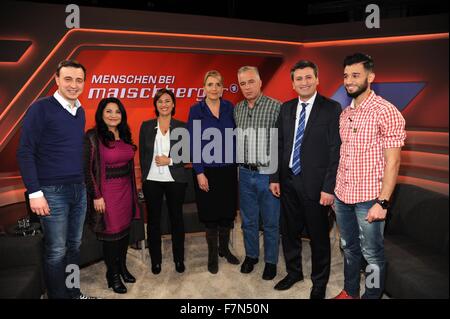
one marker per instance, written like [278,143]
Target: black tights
[115,252]
[221,223]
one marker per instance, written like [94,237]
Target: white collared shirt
[66,105]
[308,109]
[161,147]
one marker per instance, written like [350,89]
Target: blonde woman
[215,181]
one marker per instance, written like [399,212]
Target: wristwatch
[383,203]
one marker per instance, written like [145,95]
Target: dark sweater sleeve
[32,128]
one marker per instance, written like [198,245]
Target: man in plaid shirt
[372,131]
[255,116]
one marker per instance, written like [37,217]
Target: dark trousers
[298,212]
[174,193]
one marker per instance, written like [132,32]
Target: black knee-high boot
[111,251]
[213,256]
[224,250]
[123,270]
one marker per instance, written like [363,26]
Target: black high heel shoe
[126,276]
[116,283]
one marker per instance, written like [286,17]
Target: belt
[118,172]
[250,167]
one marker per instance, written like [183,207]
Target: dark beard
[360,91]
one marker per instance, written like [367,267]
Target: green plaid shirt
[253,127]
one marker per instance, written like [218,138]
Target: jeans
[63,230]
[359,239]
[255,199]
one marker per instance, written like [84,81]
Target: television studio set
[193,152]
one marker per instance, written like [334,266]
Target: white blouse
[161,147]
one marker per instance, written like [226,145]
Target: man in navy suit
[308,151]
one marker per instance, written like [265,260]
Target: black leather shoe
[248,265]
[270,271]
[317,293]
[179,266]
[213,268]
[115,283]
[287,282]
[229,257]
[156,268]
[126,276]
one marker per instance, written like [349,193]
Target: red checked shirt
[366,131]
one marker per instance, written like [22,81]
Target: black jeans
[174,193]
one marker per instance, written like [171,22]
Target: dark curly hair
[102,130]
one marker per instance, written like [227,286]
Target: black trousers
[174,193]
[298,212]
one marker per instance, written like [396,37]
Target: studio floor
[197,283]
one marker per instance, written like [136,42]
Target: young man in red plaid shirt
[372,131]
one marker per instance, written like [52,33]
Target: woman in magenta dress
[111,187]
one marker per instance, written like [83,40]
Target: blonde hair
[214,74]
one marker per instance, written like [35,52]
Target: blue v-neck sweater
[51,145]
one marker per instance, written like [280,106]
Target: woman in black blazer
[162,177]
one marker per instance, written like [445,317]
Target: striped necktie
[296,167]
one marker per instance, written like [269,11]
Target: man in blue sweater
[50,160]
